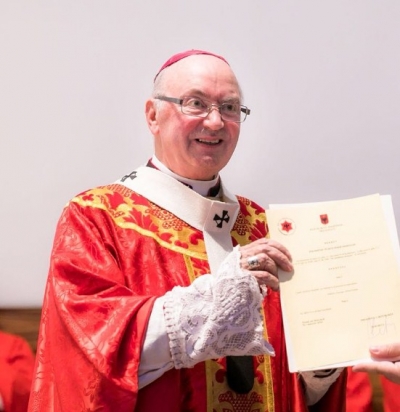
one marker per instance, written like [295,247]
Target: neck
[202,187]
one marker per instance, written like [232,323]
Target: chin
[206,174]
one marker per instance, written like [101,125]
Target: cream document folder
[344,292]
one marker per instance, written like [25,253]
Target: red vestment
[391,395]
[359,392]
[114,254]
[16,368]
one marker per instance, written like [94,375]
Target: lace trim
[216,316]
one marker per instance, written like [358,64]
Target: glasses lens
[194,107]
[231,112]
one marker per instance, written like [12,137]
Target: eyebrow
[199,93]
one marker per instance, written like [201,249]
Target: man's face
[194,147]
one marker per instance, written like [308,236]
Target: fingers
[267,279]
[387,352]
[260,261]
[269,253]
[263,257]
[385,363]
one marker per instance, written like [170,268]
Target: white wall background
[322,79]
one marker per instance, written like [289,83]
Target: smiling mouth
[209,142]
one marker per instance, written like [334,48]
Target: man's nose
[214,119]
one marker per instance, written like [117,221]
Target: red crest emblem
[286,226]
[324,219]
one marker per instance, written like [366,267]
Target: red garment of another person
[16,368]
[114,253]
[391,395]
[358,392]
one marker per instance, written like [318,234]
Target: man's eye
[231,108]
[195,103]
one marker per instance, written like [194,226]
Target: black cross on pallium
[220,220]
[131,176]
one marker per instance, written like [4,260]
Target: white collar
[214,218]
[202,187]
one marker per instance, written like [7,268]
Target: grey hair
[159,89]
[159,84]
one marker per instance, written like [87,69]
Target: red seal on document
[324,219]
[286,226]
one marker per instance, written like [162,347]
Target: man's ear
[151,116]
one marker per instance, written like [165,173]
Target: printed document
[344,292]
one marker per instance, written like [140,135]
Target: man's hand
[216,315]
[386,362]
[268,255]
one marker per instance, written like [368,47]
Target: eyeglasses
[193,106]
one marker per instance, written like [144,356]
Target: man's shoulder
[110,196]
[246,203]
[105,190]
[251,223]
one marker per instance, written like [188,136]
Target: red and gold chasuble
[114,253]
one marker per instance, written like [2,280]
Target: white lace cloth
[217,315]
[316,386]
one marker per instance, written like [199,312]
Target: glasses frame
[243,109]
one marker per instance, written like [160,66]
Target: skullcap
[179,56]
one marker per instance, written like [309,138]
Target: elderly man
[162,291]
